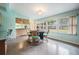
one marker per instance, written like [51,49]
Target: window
[65,25]
[52,24]
[73,25]
[68,25]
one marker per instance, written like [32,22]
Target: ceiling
[30,9]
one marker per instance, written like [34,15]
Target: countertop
[2,39]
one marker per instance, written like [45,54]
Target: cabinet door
[2,47]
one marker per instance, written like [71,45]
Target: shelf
[22,21]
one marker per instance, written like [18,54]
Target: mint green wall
[8,21]
[78,24]
[61,36]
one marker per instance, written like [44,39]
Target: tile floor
[51,47]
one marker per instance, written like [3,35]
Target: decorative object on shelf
[25,26]
[9,32]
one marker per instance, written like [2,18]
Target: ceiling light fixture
[40,12]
